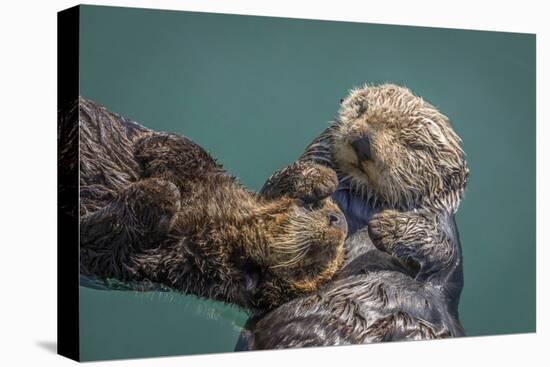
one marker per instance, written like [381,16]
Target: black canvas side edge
[68,249]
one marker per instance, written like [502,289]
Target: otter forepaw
[314,183]
[304,180]
[153,203]
[386,229]
[403,234]
[417,238]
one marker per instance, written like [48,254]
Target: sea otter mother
[402,174]
[156,207]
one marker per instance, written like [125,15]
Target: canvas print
[234,183]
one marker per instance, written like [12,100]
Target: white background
[28,182]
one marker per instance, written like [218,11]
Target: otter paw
[403,234]
[386,229]
[304,180]
[314,182]
[390,229]
[153,203]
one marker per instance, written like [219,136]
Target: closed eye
[416,145]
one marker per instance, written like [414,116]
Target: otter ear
[354,104]
[298,202]
[308,205]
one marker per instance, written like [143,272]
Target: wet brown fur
[403,274]
[412,182]
[157,207]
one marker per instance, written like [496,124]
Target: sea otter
[402,174]
[156,207]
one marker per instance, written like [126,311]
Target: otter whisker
[288,263]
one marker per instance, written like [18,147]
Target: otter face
[308,247]
[397,150]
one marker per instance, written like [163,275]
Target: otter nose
[362,148]
[336,220]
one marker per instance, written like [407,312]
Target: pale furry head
[398,150]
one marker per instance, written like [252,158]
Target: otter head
[304,250]
[397,150]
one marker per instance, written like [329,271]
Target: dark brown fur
[402,174]
[157,207]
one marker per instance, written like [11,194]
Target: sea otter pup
[157,207]
[402,173]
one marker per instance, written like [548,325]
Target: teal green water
[255,91]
